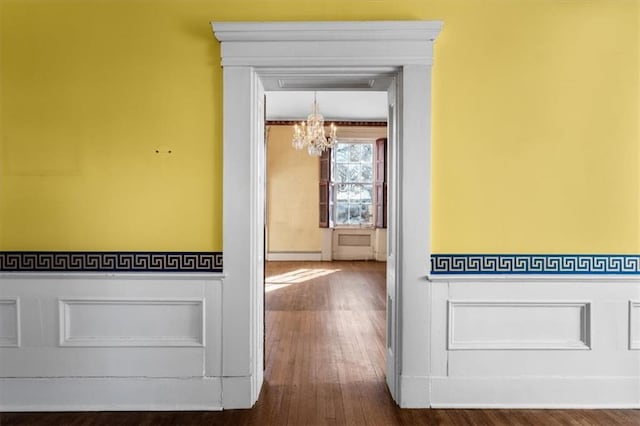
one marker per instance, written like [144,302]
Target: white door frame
[259,54]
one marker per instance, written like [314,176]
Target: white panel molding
[109,394]
[10,322]
[96,315]
[544,322]
[294,256]
[354,243]
[346,239]
[634,325]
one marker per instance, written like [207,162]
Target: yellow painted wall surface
[292,195]
[535,131]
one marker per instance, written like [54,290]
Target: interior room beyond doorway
[356,173]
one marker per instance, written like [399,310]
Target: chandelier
[311,133]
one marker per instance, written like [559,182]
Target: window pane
[354,172]
[367,193]
[354,192]
[342,192]
[366,213]
[341,216]
[355,152]
[367,153]
[366,173]
[342,152]
[354,213]
[341,173]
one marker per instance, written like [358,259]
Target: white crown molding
[327,31]
[381,43]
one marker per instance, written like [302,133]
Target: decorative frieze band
[111,261]
[535,264]
[76,261]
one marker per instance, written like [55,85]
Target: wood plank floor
[325,364]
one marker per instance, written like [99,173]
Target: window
[353,185]
[352,182]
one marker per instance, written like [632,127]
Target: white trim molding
[10,330]
[536,325]
[110,393]
[316,44]
[383,55]
[634,324]
[132,322]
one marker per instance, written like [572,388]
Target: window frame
[333,193]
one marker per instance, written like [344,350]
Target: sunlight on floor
[277,282]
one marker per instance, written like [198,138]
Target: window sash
[346,162]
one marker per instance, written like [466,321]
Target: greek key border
[535,264]
[111,261]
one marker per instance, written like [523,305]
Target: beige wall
[292,195]
[292,190]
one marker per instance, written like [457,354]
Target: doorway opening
[325,281]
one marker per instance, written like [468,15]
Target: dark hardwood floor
[325,364]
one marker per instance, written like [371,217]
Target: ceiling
[334,105]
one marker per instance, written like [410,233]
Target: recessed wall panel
[495,325]
[9,322]
[131,322]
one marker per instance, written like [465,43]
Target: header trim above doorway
[381,43]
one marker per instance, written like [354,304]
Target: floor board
[325,339]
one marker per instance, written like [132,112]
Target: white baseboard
[535,392]
[414,391]
[236,392]
[110,394]
[294,256]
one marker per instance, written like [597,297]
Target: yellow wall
[292,195]
[535,134]
[535,129]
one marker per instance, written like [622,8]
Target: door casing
[329,56]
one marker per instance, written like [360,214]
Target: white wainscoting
[110,342]
[535,342]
